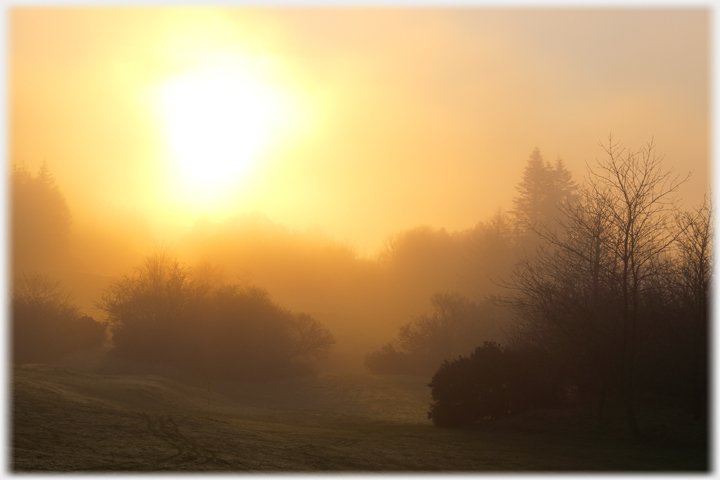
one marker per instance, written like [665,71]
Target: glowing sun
[217,123]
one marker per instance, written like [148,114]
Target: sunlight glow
[218,122]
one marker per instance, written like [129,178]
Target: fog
[389,180]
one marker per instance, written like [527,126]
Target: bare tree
[641,201]
[454,326]
[587,284]
[313,339]
[694,248]
[154,296]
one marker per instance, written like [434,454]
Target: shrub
[493,382]
[46,324]
[162,313]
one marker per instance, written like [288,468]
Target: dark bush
[245,335]
[493,382]
[46,324]
[162,313]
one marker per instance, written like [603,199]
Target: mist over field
[475,239]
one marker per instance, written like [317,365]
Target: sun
[217,123]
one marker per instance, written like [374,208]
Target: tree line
[163,313]
[459,321]
[612,303]
[598,290]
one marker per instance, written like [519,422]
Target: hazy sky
[358,122]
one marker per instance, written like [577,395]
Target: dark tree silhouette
[40,218]
[589,288]
[163,313]
[312,339]
[423,260]
[455,326]
[542,189]
[493,382]
[695,280]
[493,250]
[148,306]
[46,324]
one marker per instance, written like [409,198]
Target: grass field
[69,420]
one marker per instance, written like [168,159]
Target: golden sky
[355,121]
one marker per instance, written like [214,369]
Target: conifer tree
[41,218]
[543,188]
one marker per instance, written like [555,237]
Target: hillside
[66,420]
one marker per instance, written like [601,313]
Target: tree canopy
[454,326]
[46,324]
[543,188]
[599,291]
[40,217]
[164,313]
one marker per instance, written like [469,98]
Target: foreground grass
[65,420]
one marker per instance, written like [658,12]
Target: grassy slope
[65,420]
